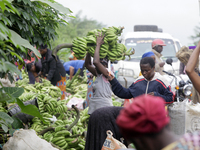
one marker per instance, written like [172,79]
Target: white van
[141,42]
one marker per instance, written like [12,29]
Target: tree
[196,37]
[77,27]
[24,23]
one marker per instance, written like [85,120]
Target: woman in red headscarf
[145,123]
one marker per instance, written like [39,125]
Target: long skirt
[100,121]
[62,85]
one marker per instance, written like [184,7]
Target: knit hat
[145,115]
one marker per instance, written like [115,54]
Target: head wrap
[145,115]
[148,54]
[43,46]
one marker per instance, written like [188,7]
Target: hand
[100,38]
[161,64]
[151,93]
[110,77]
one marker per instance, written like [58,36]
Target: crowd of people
[144,122]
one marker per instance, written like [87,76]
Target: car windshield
[143,45]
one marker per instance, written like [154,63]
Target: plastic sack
[111,143]
[78,102]
[25,118]
[185,117]
[25,140]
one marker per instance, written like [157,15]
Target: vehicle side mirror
[169,61]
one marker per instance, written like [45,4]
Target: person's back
[76,64]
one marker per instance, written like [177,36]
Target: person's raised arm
[96,60]
[119,90]
[190,68]
[89,65]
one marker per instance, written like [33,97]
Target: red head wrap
[145,115]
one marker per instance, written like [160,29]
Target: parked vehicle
[180,84]
[141,41]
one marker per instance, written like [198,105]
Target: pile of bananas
[68,131]
[32,90]
[111,48]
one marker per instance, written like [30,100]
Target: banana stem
[61,46]
[56,146]
[76,120]
[46,130]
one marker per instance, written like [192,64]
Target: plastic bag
[26,140]
[185,117]
[78,102]
[111,143]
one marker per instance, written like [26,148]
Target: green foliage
[10,95]
[29,109]
[196,37]
[5,121]
[24,23]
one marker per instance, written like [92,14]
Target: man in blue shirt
[71,67]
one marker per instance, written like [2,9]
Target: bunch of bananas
[111,48]
[27,96]
[51,105]
[80,47]
[32,90]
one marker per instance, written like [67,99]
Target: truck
[126,71]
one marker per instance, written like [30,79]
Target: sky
[176,17]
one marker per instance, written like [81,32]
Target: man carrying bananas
[101,87]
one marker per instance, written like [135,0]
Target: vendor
[52,69]
[71,67]
[34,68]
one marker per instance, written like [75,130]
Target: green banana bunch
[79,47]
[27,96]
[110,48]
